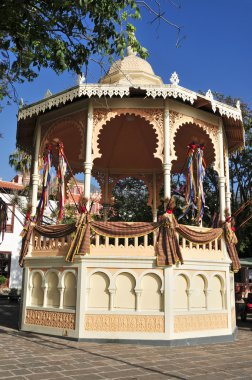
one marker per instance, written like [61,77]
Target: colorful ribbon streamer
[46,182]
[194,192]
[62,168]
[201,171]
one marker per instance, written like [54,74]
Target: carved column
[207,296]
[111,298]
[138,293]
[154,198]
[189,293]
[35,174]
[222,179]
[88,162]
[45,288]
[228,193]
[61,292]
[106,200]
[167,158]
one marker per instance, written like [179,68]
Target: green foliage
[70,214]
[131,197]
[62,35]
[2,280]
[240,167]
[20,161]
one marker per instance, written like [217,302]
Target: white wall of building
[12,242]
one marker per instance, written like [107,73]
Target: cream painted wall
[53,295]
[198,297]
[125,294]
[98,297]
[181,296]
[215,294]
[151,297]
[37,293]
[69,297]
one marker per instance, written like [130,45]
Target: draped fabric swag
[167,247]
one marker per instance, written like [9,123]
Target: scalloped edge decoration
[154,116]
[76,121]
[178,119]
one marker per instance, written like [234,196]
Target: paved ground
[38,357]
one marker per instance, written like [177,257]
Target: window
[5,263]
[10,220]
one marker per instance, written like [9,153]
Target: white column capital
[221,180]
[88,166]
[167,166]
[112,290]
[35,178]
[189,292]
[138,291]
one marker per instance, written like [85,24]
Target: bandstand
[119,284]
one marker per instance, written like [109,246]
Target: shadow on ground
[9,313]
[245,325]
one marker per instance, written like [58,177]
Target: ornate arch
[99,270]
[150,271]
[178,119]
[154,116]
[77,121]
[127,272]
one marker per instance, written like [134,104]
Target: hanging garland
[3,218]
[62,167]
[46,182]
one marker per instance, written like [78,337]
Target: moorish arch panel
[215,297]
[201,131]
[151,296]
[198,292]
[69,295]
[37,290]
[52,294]
[154,116]
[181,292]
[71,131]
[98,292]
[125,297]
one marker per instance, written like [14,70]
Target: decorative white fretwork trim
[167,90]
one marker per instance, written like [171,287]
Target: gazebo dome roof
[131,70]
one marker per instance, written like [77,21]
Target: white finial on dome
[174,79]
[80,79]
[21,103]
[130,51]
[238,105]
[209,95]
[47,94]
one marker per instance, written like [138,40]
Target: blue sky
[215,53]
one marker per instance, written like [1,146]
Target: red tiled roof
[10,185]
